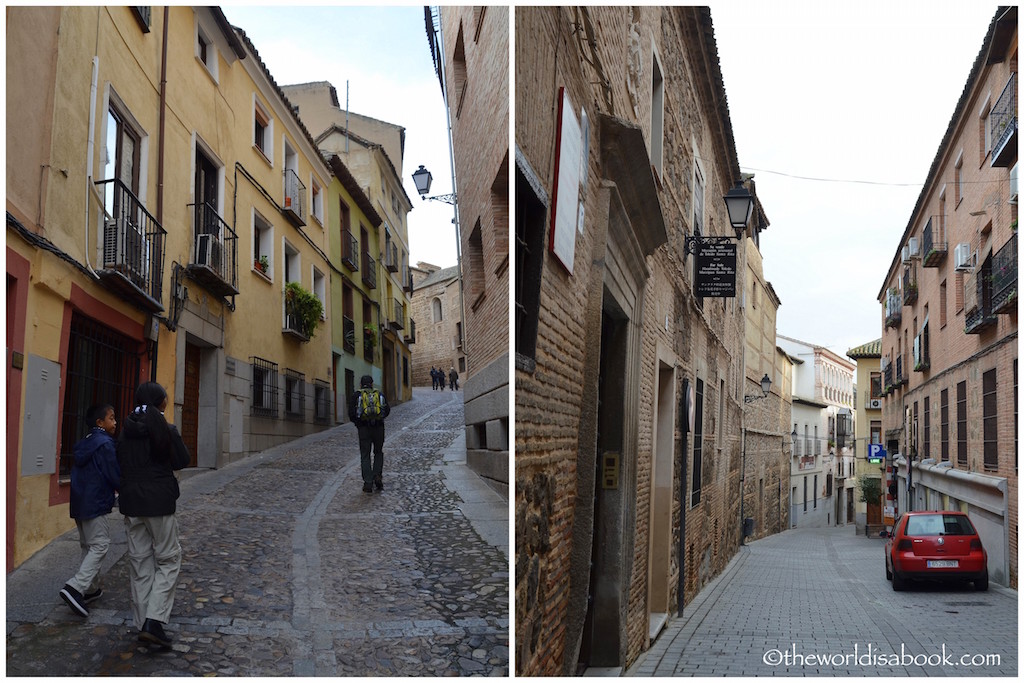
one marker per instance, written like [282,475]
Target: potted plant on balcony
[305,306]
[370,335]
[262,264]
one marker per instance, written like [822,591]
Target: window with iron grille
[321,401]
[264,387]
[294,394]
[989,420]
[698,443]
[102,367]
[961,424]
[944,422]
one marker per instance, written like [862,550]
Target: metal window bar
[264,387]
[294,393]
[349,250]
[292,320]
[369,270]
[133,240]
[348,329]
[398,317]
[103,366]
[1004,277]
[1003,117]
[321,401]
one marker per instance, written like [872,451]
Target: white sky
[383,54]
[841,90]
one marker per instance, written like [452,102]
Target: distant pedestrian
[433,377]
[367,410]
[453,379]
[440,378]
[149,451]
[95,476]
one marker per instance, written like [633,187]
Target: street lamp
[423,178]
[766,385]
[740,205]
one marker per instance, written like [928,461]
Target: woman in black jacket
[148,452]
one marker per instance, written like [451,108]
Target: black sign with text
[716,270]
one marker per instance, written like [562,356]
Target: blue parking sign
[876,453]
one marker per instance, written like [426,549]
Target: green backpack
[369,406]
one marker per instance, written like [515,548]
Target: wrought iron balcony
[1002,121]
[294,198]
[133,247]
[900,378]
[369,270]
[214,251]
[934,244]
[397,321]
[894,318]
[909,285]
[294,325]
[348,333]
[887,379]
[411,337]
[978,320]
[368,346]
[350,250]
[1004,278]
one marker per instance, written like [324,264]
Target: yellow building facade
[178,197]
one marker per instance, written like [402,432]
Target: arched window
[438,317]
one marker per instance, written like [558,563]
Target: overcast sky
[383,54]
[841,91]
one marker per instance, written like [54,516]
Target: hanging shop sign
[716,270]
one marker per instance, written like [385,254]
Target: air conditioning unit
[1013,185]
[905,255]
[912,244]
[126,249]
[875,404]
[963,259]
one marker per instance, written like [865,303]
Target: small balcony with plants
[213,252]
[302,311]
[369,341]
[893,304]
[348,334]
[294,205]
[887,380]
[133,247]
[1004,278]
[909,285]
[1003,125]
[934,244]
[901,377]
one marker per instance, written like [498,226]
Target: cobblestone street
[288,568]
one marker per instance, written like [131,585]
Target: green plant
[370,334]
[870,489]
[262,264]
[304,306]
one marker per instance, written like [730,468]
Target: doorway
[190,402]
[660,549]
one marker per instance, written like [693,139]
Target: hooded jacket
[148,452]
[95,475]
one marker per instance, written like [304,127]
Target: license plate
[938,564]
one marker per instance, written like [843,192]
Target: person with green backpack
[367,409]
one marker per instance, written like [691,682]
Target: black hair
[96,413]
[366,381]
[151,394]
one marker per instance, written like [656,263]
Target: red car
[937,545]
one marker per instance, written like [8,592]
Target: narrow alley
[288,568]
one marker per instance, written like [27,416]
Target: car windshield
[939,525]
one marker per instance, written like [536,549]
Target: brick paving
[808,595]
[290,569]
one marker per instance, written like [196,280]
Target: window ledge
[262,275]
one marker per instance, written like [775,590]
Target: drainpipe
[89,156]
[163,122]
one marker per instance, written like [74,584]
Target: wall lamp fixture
[766,385]
[740,205]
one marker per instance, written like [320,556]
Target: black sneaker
[379,483]
[96,594]
[153,632]
[75,600]
[367,487]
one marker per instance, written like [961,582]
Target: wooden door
[190,404]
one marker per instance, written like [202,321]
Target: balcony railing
[934,244]
[901,378]
[294,198]
[369,270]
[133,246]
[981,316]
[909,285]
[979,320]
[348,333]
[887,379]
[1003,125]
[368,346]
[411,337]
[214,251]
[1004,278]
[398,315]
[294,324]
[349,250]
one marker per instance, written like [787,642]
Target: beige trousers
[94,538]
[154,561]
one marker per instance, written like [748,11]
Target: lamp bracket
[751,399]
[446,198]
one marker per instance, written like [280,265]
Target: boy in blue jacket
[95,476]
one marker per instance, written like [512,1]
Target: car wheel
[888,574]
[982,583]
[898,582]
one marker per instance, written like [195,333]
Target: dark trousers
[371,435]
